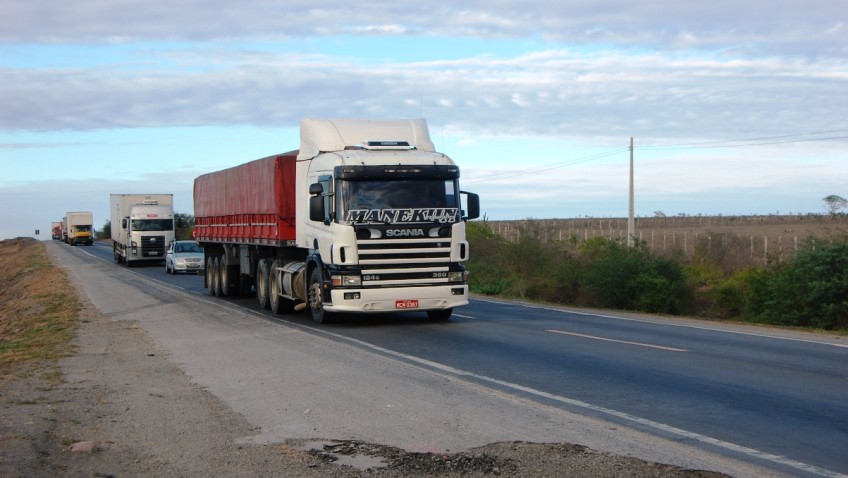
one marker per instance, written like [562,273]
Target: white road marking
[646,321]
[661,347]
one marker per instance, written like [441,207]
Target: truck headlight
[456,276]
[347,281]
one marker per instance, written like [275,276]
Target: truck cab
[386,228]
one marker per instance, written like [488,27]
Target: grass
[39,309]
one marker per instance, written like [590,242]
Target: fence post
[765,250]
[752,247]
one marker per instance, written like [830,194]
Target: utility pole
[631,223]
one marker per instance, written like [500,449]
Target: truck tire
[210,275]
[216,277]
[274,288]
[442,315]
[262,283]
[226,276]
[315,294]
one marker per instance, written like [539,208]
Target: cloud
[555,92]
[812,28]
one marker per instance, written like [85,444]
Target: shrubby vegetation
[809,290]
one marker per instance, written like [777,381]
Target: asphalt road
[774,398]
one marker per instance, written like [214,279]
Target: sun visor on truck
[396,172]
[320,135]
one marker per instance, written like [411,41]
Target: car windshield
[399,201]
[187,247]
[152,224]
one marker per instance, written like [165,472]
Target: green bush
[622,277]
[488,272]
[809,291]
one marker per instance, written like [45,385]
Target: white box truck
[79,228]
[142,227]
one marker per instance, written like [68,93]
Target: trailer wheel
[228,274]
[441,315]
[274,288]
[216,277]
[262,284]
[210,275]
[315,293]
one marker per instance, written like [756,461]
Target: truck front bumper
[398,299]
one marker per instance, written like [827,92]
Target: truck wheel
[315,293]
[274,288]
[216,277]
[207,274]
[210,275]
[224,269]
[262,283]
[442,315]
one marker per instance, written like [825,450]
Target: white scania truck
[142,227]
[366,217]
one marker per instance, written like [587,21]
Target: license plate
[406,304]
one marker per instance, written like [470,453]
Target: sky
[733,107]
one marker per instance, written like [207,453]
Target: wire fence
[744,239]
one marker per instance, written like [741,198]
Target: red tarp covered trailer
[253,203]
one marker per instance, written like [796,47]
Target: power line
[764,140]
[538,169]
[657,148]
[733,143]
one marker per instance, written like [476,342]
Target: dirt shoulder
[117,407]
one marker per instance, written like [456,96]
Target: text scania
[411,215]
[405,233]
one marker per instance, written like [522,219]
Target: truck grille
[404,262]
[153,246]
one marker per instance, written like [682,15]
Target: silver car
[184,256]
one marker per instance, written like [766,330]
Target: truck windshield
[152,224]
[82,228]
[392,202]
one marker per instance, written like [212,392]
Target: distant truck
[56,230]
[78,228]
[142,227]
[365,217]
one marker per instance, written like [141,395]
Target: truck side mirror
[316,202]
[124,223]
[472,203]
